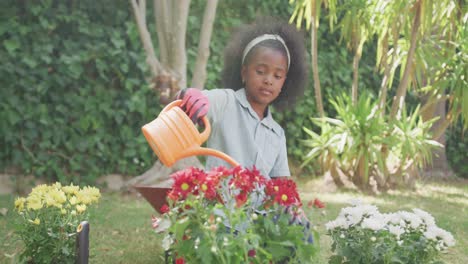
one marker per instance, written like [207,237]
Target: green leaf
[11,45]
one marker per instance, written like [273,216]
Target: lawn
[121,224]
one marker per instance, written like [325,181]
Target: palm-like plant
[414,143]
[361,144]
[352,142]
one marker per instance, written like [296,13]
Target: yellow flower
[39,190]
[59,196]
[71,189]
[49,200]
[19,203]
[36,221]
[73,200]
[73,212]
[80,208]
[57,185]
[88,195]
[63,211]
[34,202]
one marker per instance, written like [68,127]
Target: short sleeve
[218,99]
[281,167]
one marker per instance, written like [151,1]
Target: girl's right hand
[194,103]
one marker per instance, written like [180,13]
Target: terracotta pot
[156,196]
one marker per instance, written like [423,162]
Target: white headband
[261,38]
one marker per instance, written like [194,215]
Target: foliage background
[74,93]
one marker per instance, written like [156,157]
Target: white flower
[373,223]
[373,239]
[213,249]
[354,215]
[435,233]
[425,216]
[413,220]
[337,223]
[167,242]
[396,230]
[342,235]
[394,218]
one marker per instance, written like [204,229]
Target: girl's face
[264,76]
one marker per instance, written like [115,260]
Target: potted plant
[234,216]
[50,218]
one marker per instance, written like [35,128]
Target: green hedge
[73,89]
[74,94]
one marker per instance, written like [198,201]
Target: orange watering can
[173,136]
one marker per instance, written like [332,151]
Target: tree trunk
[171,22]
[161,14]
[439,166]
[354,88]
[199,71]
[151,59]
[314,54]
[179,20]
[399,99]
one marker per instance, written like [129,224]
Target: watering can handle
[206,133]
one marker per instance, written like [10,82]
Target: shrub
[234,216]
[367,149]
[49,219]
[361,234]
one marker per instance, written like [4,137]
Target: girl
[264,65]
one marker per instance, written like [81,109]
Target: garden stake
[82,243]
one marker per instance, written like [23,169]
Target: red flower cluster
[244,180]
[283,192]
[195,181]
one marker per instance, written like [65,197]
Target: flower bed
[361,234]
[234,216]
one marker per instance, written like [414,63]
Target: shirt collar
[268,120]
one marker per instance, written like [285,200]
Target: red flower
[241,199]
[318,203]
[180,261]
[185,182]
[246,180]
[164,209]
[252,253]
[208,183]
[283,192]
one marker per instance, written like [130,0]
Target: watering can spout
[173,136]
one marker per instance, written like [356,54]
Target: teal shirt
[238,131]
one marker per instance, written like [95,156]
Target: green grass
[121,224]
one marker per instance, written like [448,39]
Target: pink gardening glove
[194,103]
